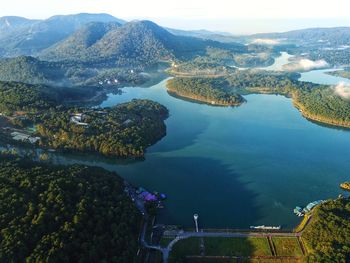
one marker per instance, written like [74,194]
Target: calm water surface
[235,167]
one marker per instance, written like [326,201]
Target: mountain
[206,34]
[329,36]
[34,36]
[31,70]
[137,42]
[79,41]
[9,24]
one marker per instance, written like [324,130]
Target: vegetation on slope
[31,70]
[327,236]
[133,44]
[323,105]
[16,96]
[34,71]
[125,130]
[214,91]
[64,214]
[23,97]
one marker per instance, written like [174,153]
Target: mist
[342,90]
[306,65]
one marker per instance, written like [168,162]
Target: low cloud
[306,65]
[266,41]
[342,90]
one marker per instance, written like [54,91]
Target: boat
[263,227]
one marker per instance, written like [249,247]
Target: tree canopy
[64,214]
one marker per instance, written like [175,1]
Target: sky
[240,17]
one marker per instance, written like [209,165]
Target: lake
[235,167]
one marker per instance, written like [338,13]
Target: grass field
[236,246]
[164,242]
[189,246]
[217,260]
[287,246]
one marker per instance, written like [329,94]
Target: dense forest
[125,130]
[247,81]
[324,105]
[16,96]
[64,214]
[137,43]
[327,236]
[23,97]
[214,91]
[31,70]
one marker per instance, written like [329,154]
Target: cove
[235,167]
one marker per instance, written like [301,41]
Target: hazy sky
[243,16]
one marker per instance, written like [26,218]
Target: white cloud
[342,90]
[266,41]
[305,65]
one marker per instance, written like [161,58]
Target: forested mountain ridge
[137,42]
[28,37]
[77,43]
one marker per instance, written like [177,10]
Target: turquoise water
[320,77]
[235,167]
[283,59]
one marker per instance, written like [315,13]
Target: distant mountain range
[97,38]
[21,36]
[103,39]
[331,36]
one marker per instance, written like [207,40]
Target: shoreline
[318,119]
[309,116]
[201,99]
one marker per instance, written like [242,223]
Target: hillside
[327,236]
[134,43]
[64,214]
[79,41]
[30,70]
[34,36]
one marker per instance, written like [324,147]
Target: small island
[213,91]
[345,186]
